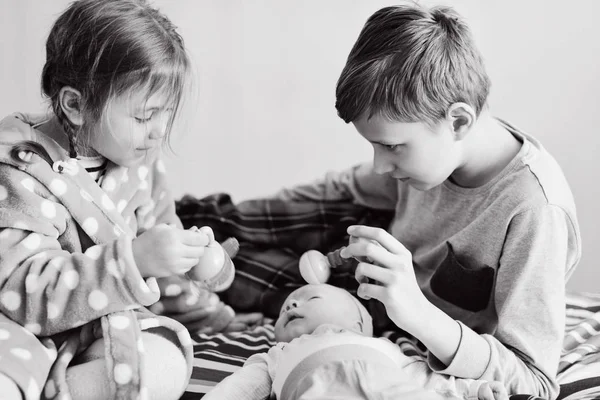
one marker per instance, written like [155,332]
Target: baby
[325,347]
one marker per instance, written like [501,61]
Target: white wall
[267,71]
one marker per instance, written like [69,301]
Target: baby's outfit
[336,363]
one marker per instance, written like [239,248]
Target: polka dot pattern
[28,184]
[107,203]
[4,334]
[70,279]
[94,252]
[58,187]
[11,300]
[3,193]
[23,354]
[109,184]
[142,172]
[122,374]
[97,300]
[90,225]
[173,290]
[53,310]
[119,322]
[32,241]
[48,209]
[57,262]
[121,205]
[191,300]
[160,166]
[113,268]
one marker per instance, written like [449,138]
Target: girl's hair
[410,64]
[106,48]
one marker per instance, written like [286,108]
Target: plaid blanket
[274,233]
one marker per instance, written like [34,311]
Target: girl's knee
[164,368]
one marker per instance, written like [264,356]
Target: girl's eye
[144,120]
[391,147]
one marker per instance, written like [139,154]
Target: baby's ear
[358,327]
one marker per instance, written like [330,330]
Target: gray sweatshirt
[496,258]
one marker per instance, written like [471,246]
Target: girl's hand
[389,264]
[165,250]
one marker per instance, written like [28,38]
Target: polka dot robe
[66,262]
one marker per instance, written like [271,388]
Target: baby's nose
[291,304]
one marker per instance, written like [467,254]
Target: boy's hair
[105,48]
[410,64]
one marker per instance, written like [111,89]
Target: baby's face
[313,305]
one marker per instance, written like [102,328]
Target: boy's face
[412,152]
[310,306]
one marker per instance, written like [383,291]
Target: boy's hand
[165,250]
[390,265]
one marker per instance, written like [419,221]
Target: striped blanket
[273,234]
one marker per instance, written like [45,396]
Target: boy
[326,350]
[485,234]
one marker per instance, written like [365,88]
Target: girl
[86,221]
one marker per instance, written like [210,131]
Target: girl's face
[414,153]
[310,306]
[132,128]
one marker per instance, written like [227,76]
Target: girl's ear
[70,102]
[462,117]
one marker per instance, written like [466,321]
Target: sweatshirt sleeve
[541,247]
[359,184]
[48,286]
[251,382]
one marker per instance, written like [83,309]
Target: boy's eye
[143,120]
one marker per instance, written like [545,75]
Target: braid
[72,133]
[68,127]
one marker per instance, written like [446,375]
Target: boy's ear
[70,102]
[462,117]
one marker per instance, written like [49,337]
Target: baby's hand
[492,391]
[165,250]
